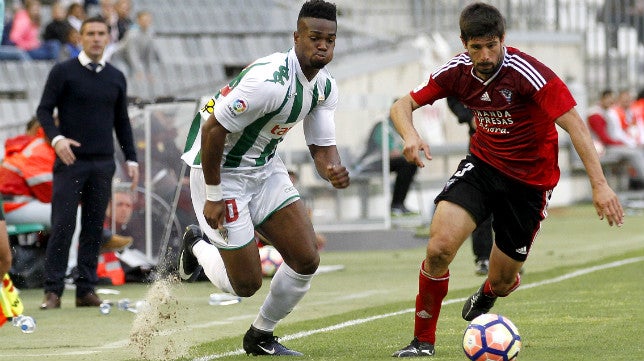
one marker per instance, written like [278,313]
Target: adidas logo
[522,250]
[423,314]
[486,97]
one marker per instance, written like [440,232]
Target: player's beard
[488,70]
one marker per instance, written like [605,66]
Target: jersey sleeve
[554,98]
[319,124]
[247,101]
[430,91]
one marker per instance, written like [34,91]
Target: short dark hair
[481,20]
[318,9]
[93,19]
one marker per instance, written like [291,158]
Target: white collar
[85,60]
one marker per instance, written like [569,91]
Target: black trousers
[87,182]
[405,173]
[482,240]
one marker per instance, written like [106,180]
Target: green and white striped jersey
[261,105]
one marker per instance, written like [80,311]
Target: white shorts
[251,196]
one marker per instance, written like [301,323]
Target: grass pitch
[580,299]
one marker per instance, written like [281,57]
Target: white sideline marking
[359,321]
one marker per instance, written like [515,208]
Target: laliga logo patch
[237,107]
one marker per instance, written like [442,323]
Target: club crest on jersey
[237,107]
[507,94]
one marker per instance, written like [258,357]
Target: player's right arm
[401,116]
[213,137]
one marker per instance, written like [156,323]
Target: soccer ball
[271,260]
[491,337]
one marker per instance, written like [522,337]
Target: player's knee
[440,252]
[305,265]
[247,288]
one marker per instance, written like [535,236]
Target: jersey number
[231,210]
[466,167]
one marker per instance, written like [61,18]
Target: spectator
[136,53]
[26,175]
[75,15]
[636,128]
[117,216]
[124,19]
[108,13]
[622,117]
[607,129]
[72,47]
[58,27]
[121,206]
[25,33]
[371,160]
[482,237]
[89,112]
[89,4]
[8,50]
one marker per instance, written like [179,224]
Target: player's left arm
[605,200]
[319,131]
[329,166]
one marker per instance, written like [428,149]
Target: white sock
[213,265]
[287,289]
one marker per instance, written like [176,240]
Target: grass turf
[592,316]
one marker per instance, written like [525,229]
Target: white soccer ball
[491,337]
[271,260]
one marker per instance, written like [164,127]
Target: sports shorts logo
[522,250]
[237,107]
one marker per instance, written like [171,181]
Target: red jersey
[514,112]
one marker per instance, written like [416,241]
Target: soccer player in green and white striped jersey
[239,184]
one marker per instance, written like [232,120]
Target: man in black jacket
[91,98]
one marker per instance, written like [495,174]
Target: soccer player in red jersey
[510,171]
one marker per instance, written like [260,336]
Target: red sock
[431,292]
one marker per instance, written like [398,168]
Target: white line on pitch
[360,321]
